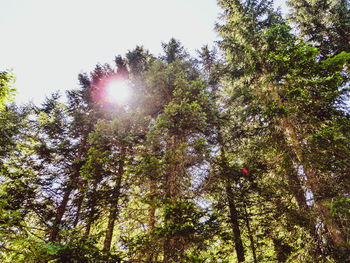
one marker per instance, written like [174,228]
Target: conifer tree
[255,38]
[324,24]
[181,105]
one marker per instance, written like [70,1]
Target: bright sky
[47,43]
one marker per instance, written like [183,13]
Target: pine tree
[180,108]
[254,38]
[324,24]
[18,193]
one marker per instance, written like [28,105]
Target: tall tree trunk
[89,223]
[294,184]
[299,194]
[79,204]
[173,245]
[173,249]
[110,227]
[317,188]
[313,176]
[60,211]
[151,208]
[91,214]
[69,188]
[113,212]
[251,238]
[234,222]
[151,218]
[226,174]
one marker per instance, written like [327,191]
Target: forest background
[237,154]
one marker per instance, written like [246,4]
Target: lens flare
[117,91]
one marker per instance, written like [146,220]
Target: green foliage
[323,23]
[6,88]
[238,161]
[182,117]
[286,95]
[184,219]
[83,250]
[341,208]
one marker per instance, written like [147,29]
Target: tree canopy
[240,154]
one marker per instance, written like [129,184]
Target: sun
[117,91]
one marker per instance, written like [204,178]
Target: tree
[254,38]
[18,193]
[324,24]
[243,158]
[179,104]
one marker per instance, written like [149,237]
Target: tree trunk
[79,204]
[151,219]
[299,194]
[234,222]
[151,208]
[69,188]
[63,205]
[226,174]
[60,211]
[88,225]
[173,249]
[173,245]
[295,186]
[317,188]
[91,215]
[251,238]
[111,220]
[114,205]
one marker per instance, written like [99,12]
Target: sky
[47,43]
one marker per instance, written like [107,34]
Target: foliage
[241,158]
[6,87]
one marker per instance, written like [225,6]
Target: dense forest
[239,154]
